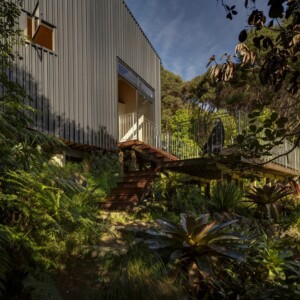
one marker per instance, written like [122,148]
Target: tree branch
[283,154]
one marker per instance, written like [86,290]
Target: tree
[9,32]
[171,96]
[269,56]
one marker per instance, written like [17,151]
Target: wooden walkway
[147,161]
[218,168]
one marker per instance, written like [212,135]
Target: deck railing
[290,160]
[137,127]
[278,153]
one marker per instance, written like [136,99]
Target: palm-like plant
[295,186]
[266,197]
[195,240]
[225,197]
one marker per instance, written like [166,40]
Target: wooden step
[126,191]
[139,178]
[130,198]
[133,184]
[141,173]
[118,205]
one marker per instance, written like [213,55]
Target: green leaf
[276,10]
[252,128]
[168,224]
[204,265]
[274,116]
[240,139]
[269,134]
[229,253]
[281,122]
[254,114]
[268,123]
[223,225]
[203,232]
[243,36]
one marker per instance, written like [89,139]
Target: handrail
[290,160]
[134,126]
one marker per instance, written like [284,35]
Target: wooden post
[229,178]
[133,162]
[153,165]
[207,190]
[122,162]
[86,163]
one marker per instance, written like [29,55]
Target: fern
[4,257]
[41,286]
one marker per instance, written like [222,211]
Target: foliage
[266,198]
[41,286]
[277,262]
[50,217]
[9,32]
[18,144]
[271,272]
[226,197]
[195,240]
[5,258]
[178,192]
[295,187]
[262,134]
[265,74]
[281,51]
[268,194]
[105,171]
[138,274]
[171,95]
[151,209]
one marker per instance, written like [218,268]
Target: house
[90,70]
[94,78]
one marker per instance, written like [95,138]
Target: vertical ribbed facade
[76,86]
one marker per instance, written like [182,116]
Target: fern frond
[40,285]
[4,257]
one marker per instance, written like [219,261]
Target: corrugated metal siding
[76,87]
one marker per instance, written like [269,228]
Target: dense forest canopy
[264,78]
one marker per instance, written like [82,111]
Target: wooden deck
[230,162]
[147,161]
[216,168]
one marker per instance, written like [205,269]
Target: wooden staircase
[136,184]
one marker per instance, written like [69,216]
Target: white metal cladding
[76,86]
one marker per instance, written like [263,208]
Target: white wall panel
[76,85]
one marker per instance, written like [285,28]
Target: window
[39,31]
[136,81]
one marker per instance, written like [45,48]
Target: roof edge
[139,26]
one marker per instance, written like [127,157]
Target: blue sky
[185,33]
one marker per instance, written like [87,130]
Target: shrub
[138,274]
[226,197]
[266,199]
[105,170]
[178,192]
[49,217]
